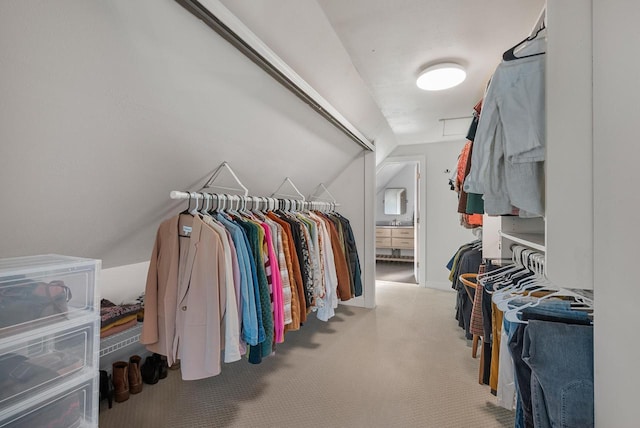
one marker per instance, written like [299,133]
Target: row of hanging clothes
[537,341]
[467,258]
[536,337]
[230,276]
[470,205]
[504,164]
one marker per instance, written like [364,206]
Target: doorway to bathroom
[398,207]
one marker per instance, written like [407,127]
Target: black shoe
[106,387]
[164,367]
[150,370]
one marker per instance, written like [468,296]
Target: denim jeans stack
[553,362]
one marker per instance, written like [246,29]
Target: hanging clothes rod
[287,180]
[178,194]
[269,203]
[225,165]
[535,262]
[217,17]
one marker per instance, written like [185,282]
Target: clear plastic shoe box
[49,341]
[67,408]
[37,361]
[38,290]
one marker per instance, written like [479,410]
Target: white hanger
[516,287]
[316,195]
[255,203]
[194,211]
[287,180]
[511,315]
[222,202]
[231,199]
[500,274]
[207,199]
[535,284]
[216,173]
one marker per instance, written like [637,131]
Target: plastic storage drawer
[70,408]
[43,358]
[40,290]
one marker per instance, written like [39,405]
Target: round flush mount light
[441,76]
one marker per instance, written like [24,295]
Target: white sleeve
[484,141]
[231,319]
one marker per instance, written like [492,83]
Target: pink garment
[276,289]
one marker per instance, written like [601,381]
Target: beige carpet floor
[404,364]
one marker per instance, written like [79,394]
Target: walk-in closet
[228,213]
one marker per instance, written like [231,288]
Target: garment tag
[186,230]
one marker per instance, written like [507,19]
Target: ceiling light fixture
[441,76]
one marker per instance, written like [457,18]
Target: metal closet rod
[300,204]
[288,78]
[177,194]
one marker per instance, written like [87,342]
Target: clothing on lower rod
[560,357]
[556,354]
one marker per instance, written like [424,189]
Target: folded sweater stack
[116,318]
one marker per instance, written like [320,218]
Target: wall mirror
[395,201]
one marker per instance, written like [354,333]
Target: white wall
[444,234]
[354,188]
[123,284]
[107,106]
[616,200]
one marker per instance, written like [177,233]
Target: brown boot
[135,378]
[121,381]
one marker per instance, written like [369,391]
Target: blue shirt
[252,329]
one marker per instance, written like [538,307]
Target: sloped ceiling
[107,106]
[299,32]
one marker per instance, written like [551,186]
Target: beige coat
[185,297]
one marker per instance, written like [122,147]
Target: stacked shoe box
[49,342]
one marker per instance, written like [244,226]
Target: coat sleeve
[149,334]
[342,270]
